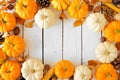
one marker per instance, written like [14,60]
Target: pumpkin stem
[117,31]
[3,20]
[25,6]
[108,75]
[8,71]
[65,69]
[80,4]
[11,44]
[32,71]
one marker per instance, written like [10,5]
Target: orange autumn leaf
[78,22]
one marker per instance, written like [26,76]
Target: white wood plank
[33,41]
[53,42]
[90,42]
[72,41]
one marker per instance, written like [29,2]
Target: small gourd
[106,52]
[32,69]
[106,72]
[45,18]
[64,69]
[96,22]
[82,73]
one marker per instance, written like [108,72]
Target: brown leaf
[62,16]
[78,22]
[22,59]
[18,19]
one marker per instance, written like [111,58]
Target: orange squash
[7,22]
[60,4]
[2,56]
[78,9]
[106,72]
[10,70]
[13,46]
[64,69]
[26,9]
[112,31]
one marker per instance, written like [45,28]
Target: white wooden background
[61,41]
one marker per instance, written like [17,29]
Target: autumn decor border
[99,15]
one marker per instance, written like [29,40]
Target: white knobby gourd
[45,18]
[106,52]
[32,69]
[96,22]
[82,73]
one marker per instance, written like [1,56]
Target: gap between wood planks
[62,35]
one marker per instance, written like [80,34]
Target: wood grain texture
[90,42]
[53,42]
[33,40]
[72,42]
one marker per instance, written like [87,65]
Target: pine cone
[43,3]
[116,62]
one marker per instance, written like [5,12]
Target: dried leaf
[22,59]
[29,23]
[62,16]
[18,19]
[78,22]
[93,64]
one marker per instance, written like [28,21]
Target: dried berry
[16,30]
[11,1]
[10,6]
[21,78]
[43,3]
[103,39]
[117,45]
[90,7]
[1,40]
[71,78]
[47,67]
[97,9]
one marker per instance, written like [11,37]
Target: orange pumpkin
[13,46]
[26,9]
[60,4]
[7,22]
[78,9]
[106,72]
[112,31]
[2,56]
[10,70]
[64,69]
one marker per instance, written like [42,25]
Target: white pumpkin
[32,69]
[45,18]
[106,52]
[96,22]
[82,73]
[117,17]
